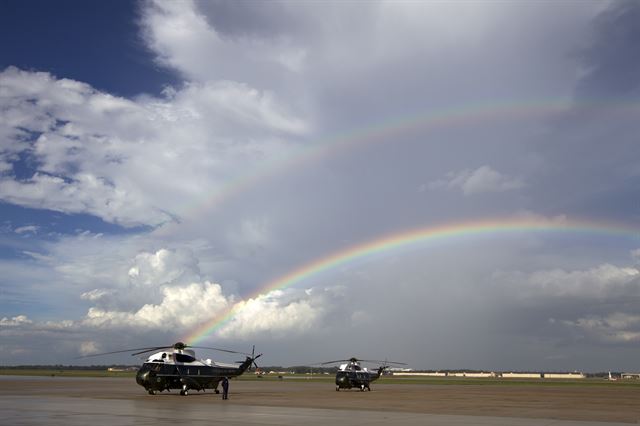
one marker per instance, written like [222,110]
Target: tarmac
[106,401]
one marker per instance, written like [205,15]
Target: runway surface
[105,401]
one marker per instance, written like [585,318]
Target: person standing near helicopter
[225,388]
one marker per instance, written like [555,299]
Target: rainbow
[391,129]
[415,237]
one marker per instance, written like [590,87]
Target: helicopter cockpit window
[184,358]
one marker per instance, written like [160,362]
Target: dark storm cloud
[590,152]
[249,18]
[612,60]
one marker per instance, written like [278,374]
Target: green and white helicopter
[176,367]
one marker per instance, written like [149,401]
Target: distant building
[564,376]
[630,375]
[522,375]
[492,374]
[414,373]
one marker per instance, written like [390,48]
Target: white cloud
[157,292]
[104,155]
[19,320]
[271,315]
[179,33]
[89,348]
[613,328]
[181,308]
[599,282]
[5,165]
[163,267]
[185,307]
[96,294]
[24,229]
[483,179]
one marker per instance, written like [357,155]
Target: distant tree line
[66,367]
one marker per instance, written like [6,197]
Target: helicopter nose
[142,378]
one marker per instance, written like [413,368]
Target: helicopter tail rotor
[254,357]
[250,361]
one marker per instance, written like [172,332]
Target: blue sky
[97,43]
[143,190]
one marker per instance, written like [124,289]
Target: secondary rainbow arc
[388,130]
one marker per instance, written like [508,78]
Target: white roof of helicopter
[348,367]
[169,358]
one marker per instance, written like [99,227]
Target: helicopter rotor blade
[218,349]
[362,360]
[122,351]
[151,350]
[382,362]
[333,362]
[179,346]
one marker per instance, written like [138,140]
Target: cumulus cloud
[481,180]
[277,314]
[103,155]
[160,291]
[181,307]
[163,267]
[15,321]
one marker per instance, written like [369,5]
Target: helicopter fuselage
[349,377]
[180,370]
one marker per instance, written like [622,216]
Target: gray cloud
[482,179]
[611,61]
[397,94]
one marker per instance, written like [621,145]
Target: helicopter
[353,375]
[176,367]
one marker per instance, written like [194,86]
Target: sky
[447,184]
